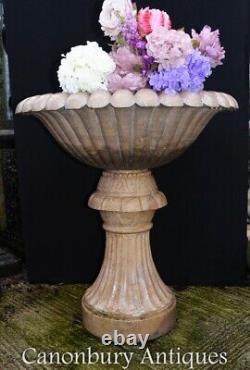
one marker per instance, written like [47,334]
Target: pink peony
[209,45]
[126,75]
[150,19]
[131,81]
[169,47]
[126,61]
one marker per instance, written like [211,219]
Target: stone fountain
[127,134]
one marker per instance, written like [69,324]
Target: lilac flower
[188,77]
[136,42]
[209,45]
[147,63]
[131,34]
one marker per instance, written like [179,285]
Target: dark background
[200,237]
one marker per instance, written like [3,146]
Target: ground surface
[48,318]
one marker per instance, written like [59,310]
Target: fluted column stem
[128,295]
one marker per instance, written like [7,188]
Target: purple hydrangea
[188,77]
[170,80]
[199,68]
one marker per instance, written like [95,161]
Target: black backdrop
[200,237]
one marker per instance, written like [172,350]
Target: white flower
[113,14]
[85,68]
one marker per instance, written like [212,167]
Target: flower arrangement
[146,52]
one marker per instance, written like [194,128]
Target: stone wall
[2,121]
[10,215]
[2,199]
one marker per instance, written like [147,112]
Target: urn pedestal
[127,135]
[128,295]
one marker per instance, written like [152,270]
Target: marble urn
[127,135]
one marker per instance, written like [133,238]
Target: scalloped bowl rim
[125,99]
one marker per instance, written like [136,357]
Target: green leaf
[120,41]
[137,68]
[195,43]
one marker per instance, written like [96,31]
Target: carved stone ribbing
[124,99]
[127,191]
[152,131]
[126,133]
[128,288]
[128,285]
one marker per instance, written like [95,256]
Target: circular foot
[156,325]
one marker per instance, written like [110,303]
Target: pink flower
[126,61]
[150,19]
[131,81]
[209,45]
[127,74]
[169,47]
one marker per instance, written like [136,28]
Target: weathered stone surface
[9,264]
[125,139]
[2,121]
[131,138]
[128,293]
[124,98]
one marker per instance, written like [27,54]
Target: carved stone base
[156,325]
[128,295]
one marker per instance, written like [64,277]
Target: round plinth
[156,324]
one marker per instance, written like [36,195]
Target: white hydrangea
[112,15]
[85,68]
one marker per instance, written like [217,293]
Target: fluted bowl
[126,131]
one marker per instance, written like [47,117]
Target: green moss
[48,318]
